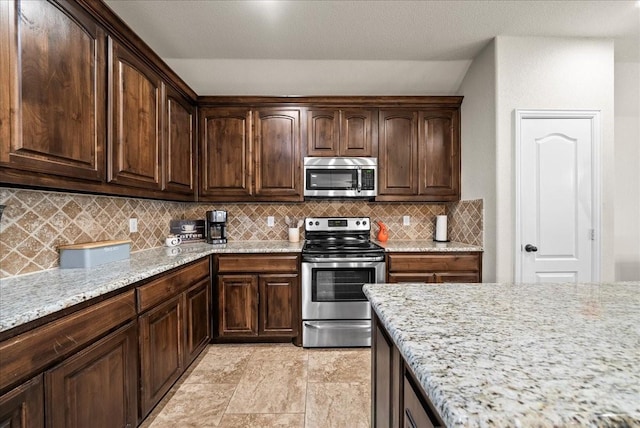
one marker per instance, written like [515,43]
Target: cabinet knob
[530,248]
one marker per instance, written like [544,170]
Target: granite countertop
[26,298]
[520,355]
[424,245]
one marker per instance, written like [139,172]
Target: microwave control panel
[368,179]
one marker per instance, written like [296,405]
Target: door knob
[530,248]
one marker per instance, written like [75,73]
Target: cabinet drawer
[171,285]
[411,277]
[34,350]
[258,263]
[416,413]
[433,262]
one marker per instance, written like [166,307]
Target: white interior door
[556,195]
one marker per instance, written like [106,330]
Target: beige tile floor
[270,385]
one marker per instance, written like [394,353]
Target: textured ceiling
[199,37]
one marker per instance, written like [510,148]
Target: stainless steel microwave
[340,177]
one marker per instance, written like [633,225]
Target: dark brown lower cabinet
[415,414]
[257,298]
[161,351]
[198,319]
[434,267]
[97,386]
[23,406]
[108,363]
[396,398]
[174,324]
[279,305]
[387,369]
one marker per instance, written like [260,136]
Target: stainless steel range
[338,257]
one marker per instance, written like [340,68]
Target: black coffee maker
[215,227]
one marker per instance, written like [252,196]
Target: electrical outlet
[406,220]
[133,225]
[271,221]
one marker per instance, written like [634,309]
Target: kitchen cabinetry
[387,370]
[80,355]
[135,138]
[179,144]
[53,93]
[419,154]
[397,399]
[434,267]
[225,154]
[86,106]
[258,297]
[23,406]
[97,386]
[250,154]
[173,308]
[94,365]
[343,132]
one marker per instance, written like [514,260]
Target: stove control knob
[358,223]
[310,223]
[364,222]
[317,223]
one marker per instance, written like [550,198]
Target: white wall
[627,171]
[479,147]
[551,73]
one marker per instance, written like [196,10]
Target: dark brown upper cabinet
[350,132]
[277,154]
[179,144]
[52,118]
[225,153]
[136,106]
[419,155]
[250,154]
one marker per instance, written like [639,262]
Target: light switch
[270,221]
[406,220]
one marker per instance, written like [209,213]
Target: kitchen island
[515,355]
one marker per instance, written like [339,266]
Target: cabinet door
[225,154]
[237,305]
[53,90]
[358,133]
[387,371]
[197,319]
[178,165]
[398,153]
[135,101]
[97,387]
[23,407]
[279,305]
[323,132]
[161,351]
[439,154]
[277,151]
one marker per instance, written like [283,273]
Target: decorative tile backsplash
[35,223]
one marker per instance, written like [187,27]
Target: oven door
[340,181]
[333,290]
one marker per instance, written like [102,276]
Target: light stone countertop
[426,246]
[520,355]
[28,297]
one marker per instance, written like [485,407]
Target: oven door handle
[342,259]
[338,326]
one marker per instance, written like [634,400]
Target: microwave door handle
[359,187]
